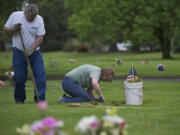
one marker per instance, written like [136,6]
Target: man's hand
[28,52]
[16,27]
[100,99]
[96,99]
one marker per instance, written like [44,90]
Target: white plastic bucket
[133,93]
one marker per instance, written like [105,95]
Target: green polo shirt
[83,74]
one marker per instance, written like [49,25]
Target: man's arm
[8,30]
[37,42]
[96,86]
[90,91]
[12,30]
[35,45]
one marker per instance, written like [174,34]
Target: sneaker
[61,99]
[64,95]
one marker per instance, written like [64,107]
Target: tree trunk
[166,48]
[2,46]
[165,43]
[113,47]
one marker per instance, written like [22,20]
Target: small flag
[132,74]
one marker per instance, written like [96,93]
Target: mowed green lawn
[159,114]
[57,63]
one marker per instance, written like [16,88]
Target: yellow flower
[25,130]
[107,124]
[112,111]
[125,132]
[103,133]
[108,111]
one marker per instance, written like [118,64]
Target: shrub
[69,47]
[82,48]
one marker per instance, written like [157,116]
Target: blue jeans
[20,74]
[77,93]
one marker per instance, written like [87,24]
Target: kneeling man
[85,77]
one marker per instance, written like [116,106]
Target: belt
[14,48]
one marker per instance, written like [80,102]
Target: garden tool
[30,69]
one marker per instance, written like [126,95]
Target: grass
[102,60]
[159,114]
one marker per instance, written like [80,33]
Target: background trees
[160,21]
[55,18]
[146,23]
[6,8]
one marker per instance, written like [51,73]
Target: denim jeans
[77,93]
[20,74]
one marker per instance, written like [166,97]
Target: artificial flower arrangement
[136,79]
[109,124]
[160,67]
[46,126]
[10,76]
[132,76]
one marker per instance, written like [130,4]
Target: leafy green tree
[158,21]
[55,18]
[93,20]
[6,8]
[148,22]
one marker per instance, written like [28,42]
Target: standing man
[31,26]
[85,77]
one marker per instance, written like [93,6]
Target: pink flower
[49,122]
[123,124]
[2,83]
[59,123]
[42,105]
[94,124]
[37,126]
